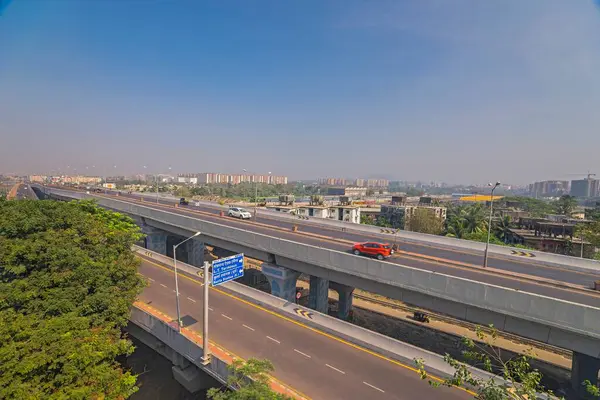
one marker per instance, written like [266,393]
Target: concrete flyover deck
[418,250]
[552,315]
[310,361]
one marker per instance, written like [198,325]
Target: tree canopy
[256,388]
[67,280]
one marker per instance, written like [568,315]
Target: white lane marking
[247,327]
[151,280]
[210,309]
[304,354]
[192,300]
[275,340]
[374,387]
[335,369]
[229,318]
[163,285]
[174,291]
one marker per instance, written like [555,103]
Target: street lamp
[487,243]
[176,281]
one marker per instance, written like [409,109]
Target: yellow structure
[480,197]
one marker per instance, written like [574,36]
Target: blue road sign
[227,269]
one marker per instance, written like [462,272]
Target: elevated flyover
[566,317]
[416,249]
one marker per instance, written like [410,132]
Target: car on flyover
[238,212]
[373,249]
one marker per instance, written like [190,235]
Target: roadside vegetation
[67,280]
[510,379]
[256,388]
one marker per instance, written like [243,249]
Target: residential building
[206,178]
[585,187]
[549,188]
[38,178]
[379,183]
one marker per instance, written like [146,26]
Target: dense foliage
[67,280]
[256,388]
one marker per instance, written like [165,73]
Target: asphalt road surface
[25,192]
[310,362]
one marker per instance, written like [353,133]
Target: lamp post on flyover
[487,243]
[205,350]
[176,281]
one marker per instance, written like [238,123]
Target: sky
[461,91]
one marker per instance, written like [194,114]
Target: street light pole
[205,349]
[176,280]
[487,243]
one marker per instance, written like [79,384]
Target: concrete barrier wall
[178,342]
[365,338]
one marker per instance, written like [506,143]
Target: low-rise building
[347,213]
[350,191]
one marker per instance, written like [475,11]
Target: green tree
[502,228]
[425,221]
[565,205]
[591,234]
[183,191]
[519,380]
[250,381]
[67,280]
[465,219]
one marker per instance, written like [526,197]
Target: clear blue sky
[459,91]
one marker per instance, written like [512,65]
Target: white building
[341,213]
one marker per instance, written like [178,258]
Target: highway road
[311,362]
[410,250]
[24,192]
[534,284]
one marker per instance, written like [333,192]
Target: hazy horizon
[462,91]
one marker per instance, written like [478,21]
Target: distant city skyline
[462,91]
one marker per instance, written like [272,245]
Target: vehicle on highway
[373,249]
[238,212]
[183,201]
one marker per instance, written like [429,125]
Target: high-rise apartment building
[585,187]
[549,188]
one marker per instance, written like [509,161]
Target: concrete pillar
[156,240]
[583,368]
[193,379]
[345,299]
[318,296]
[194,252]
[282,280]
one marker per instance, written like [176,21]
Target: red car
[374,249]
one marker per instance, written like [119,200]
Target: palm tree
[502,228]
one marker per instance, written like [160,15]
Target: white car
[239,213]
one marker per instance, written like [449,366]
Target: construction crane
[589,175]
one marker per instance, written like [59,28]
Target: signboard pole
[205,349]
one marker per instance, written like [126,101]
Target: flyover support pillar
[282,280]
[194,250]
[318,297]
[156,240]
[345,299]
[584,368]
